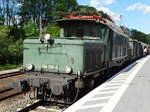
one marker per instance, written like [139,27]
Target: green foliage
[9,66]
[30,29]
[140,36]
[53,30]
[4,42]
[85,7]
[47,9]
[4,31]
[105,15]
[16,51]
[83,10]
[1,20]
[16,33]
[10,49]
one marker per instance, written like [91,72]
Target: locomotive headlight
[68,69]
[30,67]
[47,37]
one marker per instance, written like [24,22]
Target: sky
[134,14]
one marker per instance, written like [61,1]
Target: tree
[4,42]
[30,29]
[140,36]
[10,49]
[85,7]
[16,52]
[8,12]
[89,11]
[43,10]
[52,29]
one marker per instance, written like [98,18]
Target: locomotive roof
[80,18]
[95,19]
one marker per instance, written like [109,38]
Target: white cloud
[96,3]
[114,16]
[140,7]
[19,4]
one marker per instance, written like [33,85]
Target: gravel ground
[11,104]
[17,102]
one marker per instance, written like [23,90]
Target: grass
[8,66]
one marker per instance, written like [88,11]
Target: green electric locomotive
[65,66]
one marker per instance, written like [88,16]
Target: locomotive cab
[82,29]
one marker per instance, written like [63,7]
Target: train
[88,47]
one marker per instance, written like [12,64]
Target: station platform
[126,91]
[9,71]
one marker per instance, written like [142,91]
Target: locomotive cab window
[82,29]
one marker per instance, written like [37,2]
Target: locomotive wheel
[90,83]
[108,73]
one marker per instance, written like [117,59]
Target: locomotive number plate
[50,67]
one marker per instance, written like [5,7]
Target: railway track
[24,104]
[42,106]
[6,75]
[8,93]
[5,90]
[30,106]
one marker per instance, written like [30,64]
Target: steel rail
[6,75]
[5,90]
[42,103]
[30,107]
[10,95]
